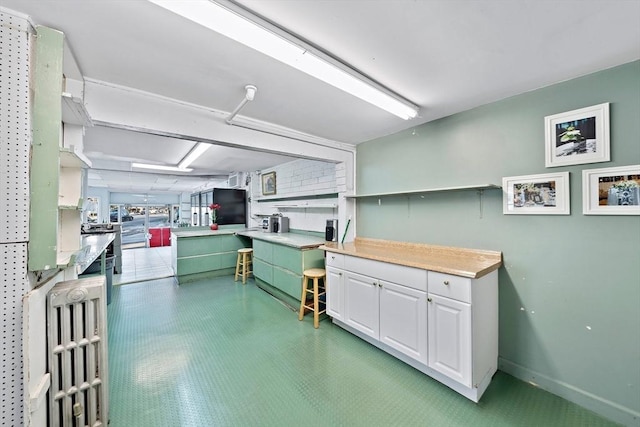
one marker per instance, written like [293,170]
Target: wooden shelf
[427,190]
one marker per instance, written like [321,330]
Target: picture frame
[611,191]
[543,194]
[268,183]
[577,137]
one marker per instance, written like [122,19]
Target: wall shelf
[479,187]
[307,206]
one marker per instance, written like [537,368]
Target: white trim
[606,408]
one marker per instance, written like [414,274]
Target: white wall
[298,183]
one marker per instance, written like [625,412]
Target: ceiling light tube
[160,167]
[196,152]
[239,28]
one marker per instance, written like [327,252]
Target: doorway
[136,221]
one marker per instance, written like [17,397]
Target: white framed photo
[545,194]
[611,191]
[577,137]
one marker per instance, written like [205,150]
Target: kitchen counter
[294,240]
[93,245]
[200,253]
[472,263]
[200,232]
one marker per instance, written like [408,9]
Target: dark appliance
[331,230]
[233,206]
[279,224]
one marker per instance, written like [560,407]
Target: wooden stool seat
[243,264]
[316,290]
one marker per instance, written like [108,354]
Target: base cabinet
[362,310]
[403,319]
[335,301]
[450,338]
[281,267]
[446,326]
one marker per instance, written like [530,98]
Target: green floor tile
[217,353]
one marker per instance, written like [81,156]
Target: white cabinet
[335,299]
[463,328]
[450,338]
[403,319]
[361,303]
[392,313]
[444,325]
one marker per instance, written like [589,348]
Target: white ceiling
[445,56]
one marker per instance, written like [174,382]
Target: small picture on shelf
[268,183]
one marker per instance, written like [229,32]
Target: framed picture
[546,194]
[577,137]
[611,191]
[268,183]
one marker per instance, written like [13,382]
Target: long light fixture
[239,28]
[160,167]
[196,152]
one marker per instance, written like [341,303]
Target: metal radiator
[77,332]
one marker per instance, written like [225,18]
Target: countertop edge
[485,268]
[268,237]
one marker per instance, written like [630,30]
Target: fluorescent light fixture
[160,167]
[196,152]
[237,27]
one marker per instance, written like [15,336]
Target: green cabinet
[57,165]
[207,254]
[281,267]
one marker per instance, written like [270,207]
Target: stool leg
[244,268]
[316,307]
[237,268]
[303,297]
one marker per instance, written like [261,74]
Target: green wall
[570,285]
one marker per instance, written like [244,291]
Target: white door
[403,319]
[335,293]
[449,331]
[361,309]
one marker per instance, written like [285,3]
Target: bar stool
[316,290]
[243,264]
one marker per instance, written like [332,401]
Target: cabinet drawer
[447,285]
[335,260]
[411,277]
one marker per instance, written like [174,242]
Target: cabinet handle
[340,274]
[379,284]
[446,283]
[429,300]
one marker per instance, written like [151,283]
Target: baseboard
[205,275]
[590,401]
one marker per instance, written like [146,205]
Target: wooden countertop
[464,262]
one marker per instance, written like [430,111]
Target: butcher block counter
[472,263]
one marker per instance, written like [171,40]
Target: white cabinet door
[335,293]
[403,319]
[449,331]
[361,309]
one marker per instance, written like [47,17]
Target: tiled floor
[144,264]
[219,353]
